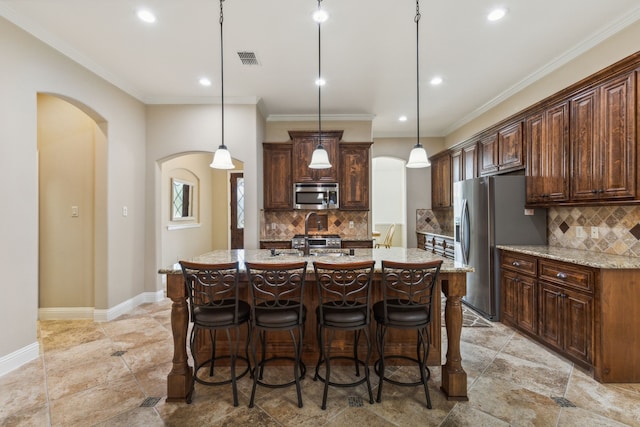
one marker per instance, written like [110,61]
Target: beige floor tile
[358,417]
[148,356]
[578,417]
[97,404]
[35,416]
[23,390]
[464,415]
[512,403]
[147,417]
[67,333]
[608,400]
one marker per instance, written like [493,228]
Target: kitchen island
[452,282]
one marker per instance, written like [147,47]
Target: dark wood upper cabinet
[603,141]
[510,153]
[277,185]
[547,142]
[470,161]
[354,175]
[488,154]
[441,182]
[457,166]
[304,142]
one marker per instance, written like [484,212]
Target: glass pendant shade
[320,159]
[222,159]
[418,157]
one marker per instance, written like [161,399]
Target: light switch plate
[74,211]
[594,232]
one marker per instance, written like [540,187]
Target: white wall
[29,67]
[388,198]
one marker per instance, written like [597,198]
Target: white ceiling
[368,52]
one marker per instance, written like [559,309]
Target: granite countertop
[577,256]
[324,255]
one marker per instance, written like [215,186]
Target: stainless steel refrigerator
[490,211]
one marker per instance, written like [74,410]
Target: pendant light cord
[319,85]
[222,74]
[417,21]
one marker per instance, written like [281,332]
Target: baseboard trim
[19,357]
[126,306]
[99,315]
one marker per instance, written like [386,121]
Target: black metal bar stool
[214,305]
[407,290]
[344,304]
[277,305]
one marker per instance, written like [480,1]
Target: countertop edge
[577,256]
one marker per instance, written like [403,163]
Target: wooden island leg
[179,379]
[454,378]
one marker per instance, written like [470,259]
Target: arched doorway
[72,208]
[389,198]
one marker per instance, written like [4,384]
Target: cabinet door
[304,143]
[422,240]
[617,139]
[527,304]
[510,155]
[509,285]
[488,154]
[550,328]
[547,142]
[583,135]
[441,182]
[578,311]
[457,172]
[470,161]
[277,185]
[354,176]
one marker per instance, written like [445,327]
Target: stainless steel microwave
[315,195]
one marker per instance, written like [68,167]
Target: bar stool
[344,295]
[277,305]
[407,290]
[214,305]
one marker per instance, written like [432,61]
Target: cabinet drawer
[571,275]
[521,263]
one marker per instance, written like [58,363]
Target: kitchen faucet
[306,230]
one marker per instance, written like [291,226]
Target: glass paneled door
[237,210]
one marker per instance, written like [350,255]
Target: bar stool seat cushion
[344,317]
[212,316]
[409,315]
[270,317]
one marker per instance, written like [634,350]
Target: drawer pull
[515,264]
[561,276]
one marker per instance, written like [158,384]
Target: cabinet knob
[515,264]
[561,276]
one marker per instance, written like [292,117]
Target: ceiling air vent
[248,58]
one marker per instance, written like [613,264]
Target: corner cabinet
[547,142]
[441,182]
[277,185]
[603,141]
[304,143]
[354,175]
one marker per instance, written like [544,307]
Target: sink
[329,254]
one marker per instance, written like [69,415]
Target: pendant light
[319,158]
[418,156]
[222,157]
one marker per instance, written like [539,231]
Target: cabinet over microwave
[315,195]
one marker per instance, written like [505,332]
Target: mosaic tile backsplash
[283,225]
[439,221]
[608,229]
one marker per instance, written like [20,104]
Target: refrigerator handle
[464,227]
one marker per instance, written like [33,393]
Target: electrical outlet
[273,225]
[125,211]
[580,231]
[350,224]
[594,232]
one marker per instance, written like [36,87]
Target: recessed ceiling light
[436,80]
[320,82]
[497,14]
[146,16]
[320,16]
[205,81]
[402,118]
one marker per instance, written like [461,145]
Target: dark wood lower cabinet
[586,314]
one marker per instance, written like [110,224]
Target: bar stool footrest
[206,363]
[376,367]
[261,364]
[331,383]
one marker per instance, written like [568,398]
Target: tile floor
[101,373]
